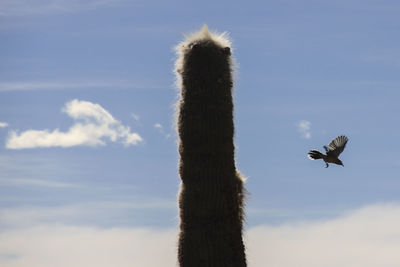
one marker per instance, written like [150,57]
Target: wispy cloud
[97,213]
[304,128]
[160,128]
[62,85]
[135,117]
[34,182]
[40,7]
[94,125]
[3,124]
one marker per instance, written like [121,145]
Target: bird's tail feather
[314,154]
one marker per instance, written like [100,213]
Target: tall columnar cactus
[211,193]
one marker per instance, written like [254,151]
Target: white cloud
[158,126]
[304,128]
[367,237]
[61,246]
[3,124]
[94,124]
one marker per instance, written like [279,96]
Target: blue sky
[88,142]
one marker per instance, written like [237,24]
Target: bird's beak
[342,165]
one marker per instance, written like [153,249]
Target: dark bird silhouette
[333,151]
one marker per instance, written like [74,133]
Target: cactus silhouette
[212,190]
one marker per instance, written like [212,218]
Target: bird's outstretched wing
[336,146]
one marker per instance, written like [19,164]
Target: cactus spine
[211,193]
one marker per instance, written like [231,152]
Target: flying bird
[333,151]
